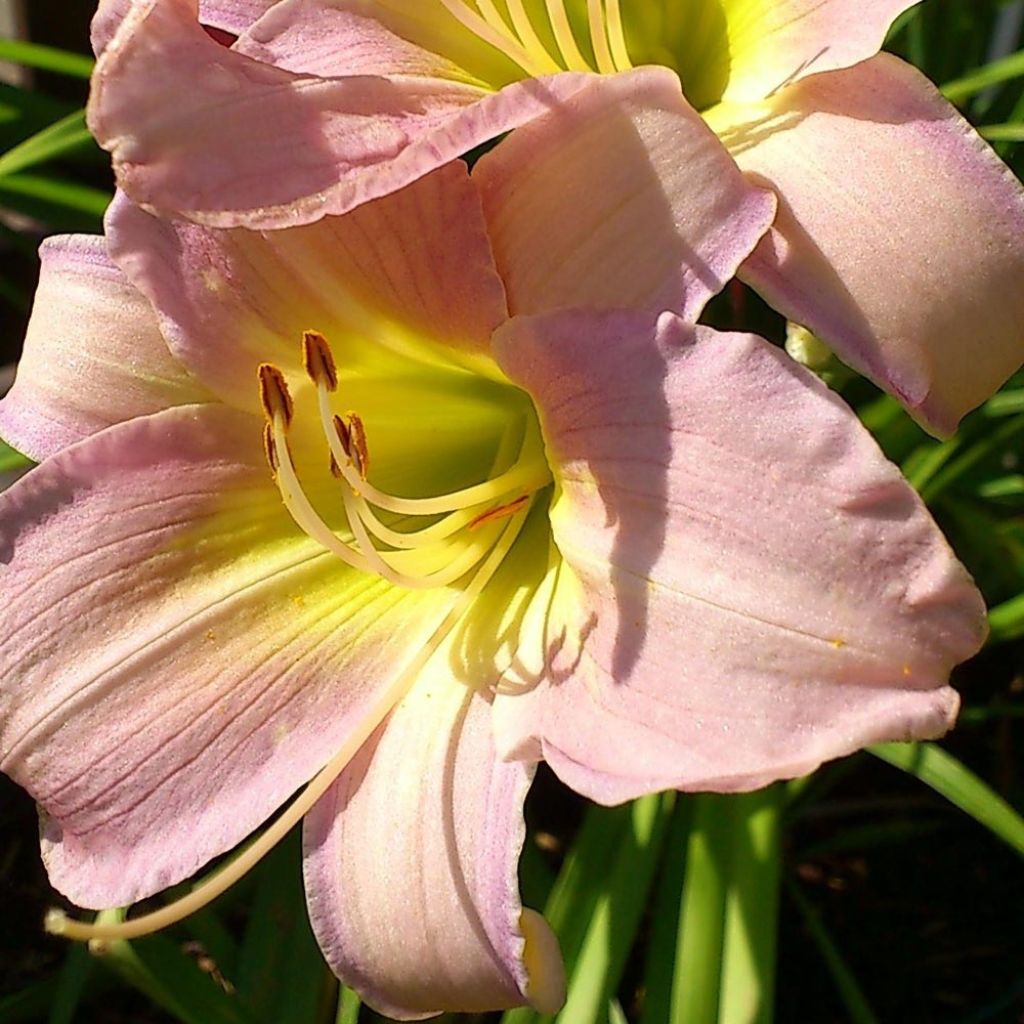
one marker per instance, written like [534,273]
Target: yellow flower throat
[465,524]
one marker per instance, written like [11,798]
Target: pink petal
[417,260]
[249,144]
[93,354]
[233,16]
[411,860]
[338,37]
[880,182]
[749,587]
[619,197]
[772,43]
[177,657]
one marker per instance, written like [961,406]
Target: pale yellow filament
[500,41]
[574,60]
[527,35]
[300,508]
[58,923]
[617,37]
[526,475]
[603,55]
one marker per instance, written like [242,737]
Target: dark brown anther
[269,447]
[318,360]
[274,395]
[344,435]
[335,468]
[360,453]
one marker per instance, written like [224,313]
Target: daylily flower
[318,508]
[900,235]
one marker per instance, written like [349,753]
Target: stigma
[517,38]
[464,525]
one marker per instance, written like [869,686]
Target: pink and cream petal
[253,145]
[878,178]
[226,657]
[748,588]
[661,225]
[772,43]
[336,38]
[415,265]
[93,354]
[411,862]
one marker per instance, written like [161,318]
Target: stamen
[318,360]
[269,448]
[501,512]
[344,435]
[469,19]
[529,38]
[469,556]
[274,394]
[359,450]
[603,55]
[525,475]
[617,37]
[300,507]
[563,36]
[58,923]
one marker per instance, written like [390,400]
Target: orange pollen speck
[501,512]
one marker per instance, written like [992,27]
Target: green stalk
[752,908]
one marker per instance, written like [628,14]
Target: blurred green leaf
[11,460]
[65,136]
[854,1001]
[1002,132]
[658,969]
[281,971]
[960,786]
[612,928]
[78,968]
[1006,621]
[752,905]
[45,58]
[985,76]
[697,975]
[66,204]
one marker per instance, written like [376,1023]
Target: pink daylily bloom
[323,104]
[321,509]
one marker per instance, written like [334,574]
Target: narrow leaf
[46,58]
[960,786]
[857,1007]
[66,135]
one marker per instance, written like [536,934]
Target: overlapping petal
[662,225]
[773,43]
[251,144]
[93,354]
[413,268]
[221,635]
[748,587]
[876,258]
[423,828]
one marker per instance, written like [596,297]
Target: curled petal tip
[545,972]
